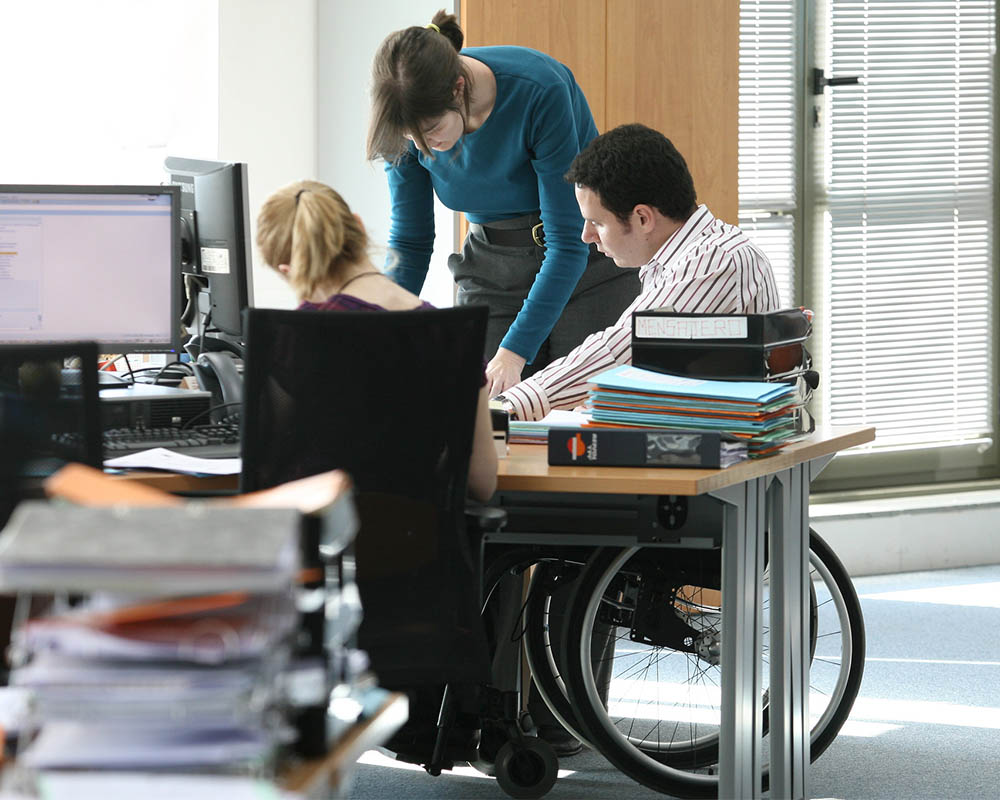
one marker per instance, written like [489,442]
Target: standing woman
[492,130]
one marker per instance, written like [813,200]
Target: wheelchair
[629,664]
[654,615]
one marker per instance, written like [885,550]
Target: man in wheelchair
[639,207]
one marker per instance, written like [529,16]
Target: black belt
[515,237]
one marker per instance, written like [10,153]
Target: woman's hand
[504,370]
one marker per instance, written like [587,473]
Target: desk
[772,490]
[179,483]
[311,778]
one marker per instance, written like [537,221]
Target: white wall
[293,104]
[349,35]
[267,105]
[903,534]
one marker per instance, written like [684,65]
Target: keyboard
[220,440]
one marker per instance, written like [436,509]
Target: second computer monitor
[216,227]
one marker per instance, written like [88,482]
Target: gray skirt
[500,273]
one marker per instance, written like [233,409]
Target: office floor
[926,725]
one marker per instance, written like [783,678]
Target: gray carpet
[926,725]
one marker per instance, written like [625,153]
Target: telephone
[216,373]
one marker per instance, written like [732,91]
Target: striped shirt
[706,267]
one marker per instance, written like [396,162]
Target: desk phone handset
[216,373]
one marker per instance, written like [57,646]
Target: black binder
[643,447]
[752,347]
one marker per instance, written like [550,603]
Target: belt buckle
[538,235]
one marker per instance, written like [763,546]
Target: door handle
[820,81]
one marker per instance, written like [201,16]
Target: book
[644,447]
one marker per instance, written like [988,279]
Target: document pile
[174,656]
[763,414]
[537,431]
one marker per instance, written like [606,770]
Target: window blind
[767,124]
[906,209]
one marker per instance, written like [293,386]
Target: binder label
[666,327]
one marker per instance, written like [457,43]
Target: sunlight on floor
[984,595]
[869,717]
[866,730]
[376,758]
[926,711]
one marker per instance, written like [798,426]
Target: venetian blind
[907,220]
[767,149]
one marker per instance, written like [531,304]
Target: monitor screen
[216,244]
[90,263]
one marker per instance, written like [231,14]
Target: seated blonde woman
[309,235]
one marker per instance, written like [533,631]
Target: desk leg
[742,570]
[789,686]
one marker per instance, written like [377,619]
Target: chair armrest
[484,519]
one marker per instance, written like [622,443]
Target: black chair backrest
[389,397]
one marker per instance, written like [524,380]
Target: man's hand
[504,370]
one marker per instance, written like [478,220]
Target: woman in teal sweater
[492,130]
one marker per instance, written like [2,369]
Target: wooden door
[571,31]
[674,65]
[670,64]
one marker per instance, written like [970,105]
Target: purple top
[348,302]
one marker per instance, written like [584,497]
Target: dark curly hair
[632,165]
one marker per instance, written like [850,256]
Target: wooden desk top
[526,469]
[178,482]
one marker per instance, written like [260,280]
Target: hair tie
[432,25]
[298,195]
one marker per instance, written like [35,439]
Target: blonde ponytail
[308,226]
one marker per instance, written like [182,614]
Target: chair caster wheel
[526,769]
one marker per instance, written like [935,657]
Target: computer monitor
[94,263]
[215,234]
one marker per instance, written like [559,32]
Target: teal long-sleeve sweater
[510,166]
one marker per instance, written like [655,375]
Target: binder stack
[174,654]
[745,347]
[766,416]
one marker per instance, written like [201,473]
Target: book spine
[610,447]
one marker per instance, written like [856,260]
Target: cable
[179,364]
[209,410]
[115,358]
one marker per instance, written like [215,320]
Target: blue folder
[633,379]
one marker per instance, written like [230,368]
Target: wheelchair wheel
[542,618]
[661,722]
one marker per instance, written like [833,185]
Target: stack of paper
[175,657]
[537,432]
[765,414]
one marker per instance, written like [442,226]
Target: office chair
[390,398]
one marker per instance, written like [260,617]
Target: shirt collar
[693,227]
